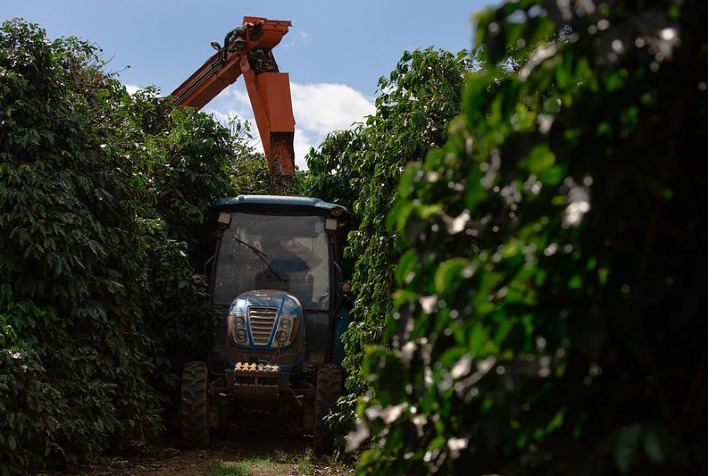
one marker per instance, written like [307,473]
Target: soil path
[264,447]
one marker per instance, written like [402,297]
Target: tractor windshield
[288,253]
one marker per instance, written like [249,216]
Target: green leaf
[407,264]
[449,272]
[540,159]
[656,444]
[479,337]
[626,448]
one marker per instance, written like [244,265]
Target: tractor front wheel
[195,404]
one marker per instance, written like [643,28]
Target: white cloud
[132,88]
[295,38]
[323,107]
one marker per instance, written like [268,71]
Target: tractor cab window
[288,253]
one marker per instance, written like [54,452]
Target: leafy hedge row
[549,302]
[102,198]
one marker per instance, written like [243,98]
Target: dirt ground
[263,449]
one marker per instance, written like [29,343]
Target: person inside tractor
[287,269]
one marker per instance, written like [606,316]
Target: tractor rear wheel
[329,389]
[195,404]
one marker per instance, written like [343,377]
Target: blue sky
[334,52]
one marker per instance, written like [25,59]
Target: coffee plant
[547,312]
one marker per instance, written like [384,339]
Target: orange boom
[247,51]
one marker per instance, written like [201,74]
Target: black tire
[195,404]
[329,389]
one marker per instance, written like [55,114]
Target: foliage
[181,170]
[35,426]
[548,311]
[333,168]
[360,168]
[70,259]
[99,301]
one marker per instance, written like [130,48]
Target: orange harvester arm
[247,51]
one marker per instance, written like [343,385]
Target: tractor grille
[262,320]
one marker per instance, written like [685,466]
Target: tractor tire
[195,404]
[330,383]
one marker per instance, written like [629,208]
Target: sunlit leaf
[449,272]
[540,159]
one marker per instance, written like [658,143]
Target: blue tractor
[277,275]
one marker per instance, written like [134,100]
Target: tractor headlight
[241,336]
[280,338]
[237,327]
[239,321]
[287,329]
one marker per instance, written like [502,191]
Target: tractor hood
[286,303]
[265,320]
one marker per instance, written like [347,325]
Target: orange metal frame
[268,89]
